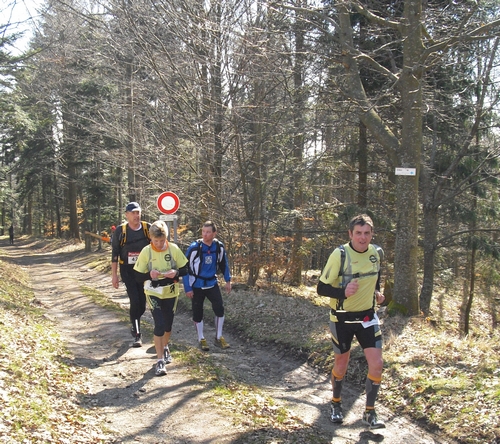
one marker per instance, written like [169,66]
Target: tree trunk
[253,266]
[218,111]
[28,221]
[409,153]
[298,150]
[130,137]
[431,219]
[363,166]
[401,154]
[58,216]
[74,229]
[472,276]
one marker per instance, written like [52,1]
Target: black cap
[132,206]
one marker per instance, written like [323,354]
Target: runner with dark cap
[127,242]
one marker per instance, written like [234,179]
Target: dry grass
[447,381]
[40,390]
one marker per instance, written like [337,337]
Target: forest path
[177,408]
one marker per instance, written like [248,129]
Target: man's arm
[185,277]
[379,297]
[141,277]
[183,271]
[330,274]
[115,256]
[114,274]
[330,291]
[227,272]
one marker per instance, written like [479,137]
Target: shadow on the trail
[93,363]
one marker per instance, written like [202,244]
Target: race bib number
[132,257]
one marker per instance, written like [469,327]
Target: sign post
[168,203]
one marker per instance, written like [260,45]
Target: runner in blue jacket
[206,257]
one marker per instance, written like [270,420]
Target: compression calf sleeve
[199,330]
[337,386]
[219,322]
[372,385]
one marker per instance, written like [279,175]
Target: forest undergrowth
[432,374]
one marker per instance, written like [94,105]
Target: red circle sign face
[168,202]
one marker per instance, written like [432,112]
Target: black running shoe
[371,420]
[336,415]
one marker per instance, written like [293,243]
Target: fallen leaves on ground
[39,388]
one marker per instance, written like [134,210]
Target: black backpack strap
[196,255]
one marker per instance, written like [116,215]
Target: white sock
[199,330]
[219,322]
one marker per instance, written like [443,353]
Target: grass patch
[101,299]
[100,263]
[450,382]
[40,397]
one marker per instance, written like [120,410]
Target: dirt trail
[139,407]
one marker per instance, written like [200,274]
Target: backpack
[355,275]
[343,284]
[199,251]
[123,234]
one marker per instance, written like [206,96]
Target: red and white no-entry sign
[168,202]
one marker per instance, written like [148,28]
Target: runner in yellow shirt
[351,278]
[159,266]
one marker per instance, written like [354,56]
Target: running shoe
[160,368]
[204,345]
[137,341]
[336,415]
[221,342]
[371,420]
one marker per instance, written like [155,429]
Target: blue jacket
[204,262]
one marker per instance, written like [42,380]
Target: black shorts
[342,335]
[163,311]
